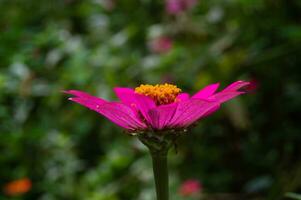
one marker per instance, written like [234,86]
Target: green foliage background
[251,145]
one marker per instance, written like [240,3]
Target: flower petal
[190,111]
[206,92]
[236,86]
[118,113]
[183,97]
[126,95]
[226,96]
[230,92]
[144,104]
[211,111]
[161,115]
[85,95]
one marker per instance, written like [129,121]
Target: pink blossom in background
[174,7]
[161,107]
[161,44]
[190,188]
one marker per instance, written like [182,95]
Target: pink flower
[175,7]
[158,107]
[161,44]
[190,187]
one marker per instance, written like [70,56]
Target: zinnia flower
[18,187]
[159,108]
[158,114]
[190,187]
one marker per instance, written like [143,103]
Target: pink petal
[126,95]
[85,95]
[144,104]
[211,111]
[206,92]
[161,115]
[225,96]
[190,111]
[118,113]
[236,86]
[183,97]
[230,92]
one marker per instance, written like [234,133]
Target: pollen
[160,93]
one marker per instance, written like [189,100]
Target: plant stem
[160,174]
[158,145]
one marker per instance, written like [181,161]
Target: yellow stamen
[160,93]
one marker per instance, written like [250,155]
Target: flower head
[160,93]
[190,187]
[18,187]
[158,108]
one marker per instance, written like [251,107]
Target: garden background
[251,146]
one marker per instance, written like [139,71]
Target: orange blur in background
[18,187]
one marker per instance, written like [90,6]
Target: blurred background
[54,149]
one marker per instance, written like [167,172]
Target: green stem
[160,174]
[158,145]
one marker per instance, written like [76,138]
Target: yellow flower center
[160,93]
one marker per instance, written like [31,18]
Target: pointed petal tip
[207,91]
[70,92]
[236,86]
[252,86]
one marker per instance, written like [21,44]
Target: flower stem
[160,174]
[158,145]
